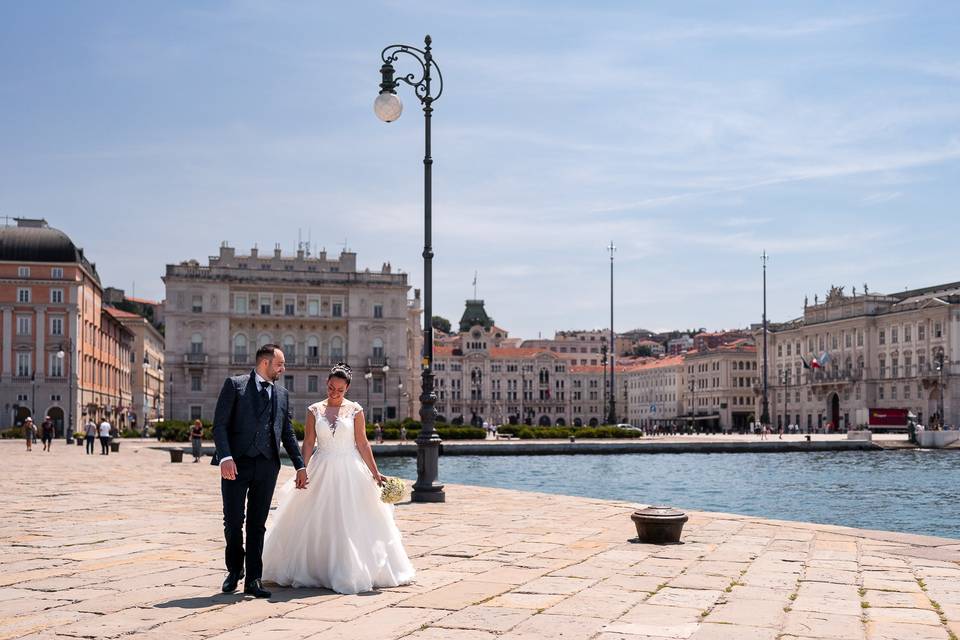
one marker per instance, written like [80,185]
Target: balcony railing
[195,358]
[378,361]
[834,377]
[240,359]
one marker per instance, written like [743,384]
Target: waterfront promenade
[130,545]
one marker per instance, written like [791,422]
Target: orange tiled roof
[142,300]
[671,361]
[119,313]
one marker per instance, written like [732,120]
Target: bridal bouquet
[392,490]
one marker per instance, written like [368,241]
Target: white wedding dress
[336,533]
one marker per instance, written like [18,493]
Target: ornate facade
[63,354]
[320,310]
[882,352]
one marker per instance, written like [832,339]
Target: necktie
[264,394]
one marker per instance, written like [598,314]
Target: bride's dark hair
[343,371]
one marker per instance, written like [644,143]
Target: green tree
[442,324]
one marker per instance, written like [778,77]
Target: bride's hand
[379,478]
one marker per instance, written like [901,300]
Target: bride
[336,533]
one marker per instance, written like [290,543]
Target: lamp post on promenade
[603,365]
[388,108]
[939,359]
[368,376]
[399,395]
[612,417]
[765,406]
[385,369]
[62,353]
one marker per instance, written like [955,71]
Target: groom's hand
[302,479]
[228,470]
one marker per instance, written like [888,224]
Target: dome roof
[35,241]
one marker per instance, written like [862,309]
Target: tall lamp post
[388,108]
[603,365]
[765,406]
[62,353]
[385,369]
[612,417]
[368,376]
[939,359]
[399,395]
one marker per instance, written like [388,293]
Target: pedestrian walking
[378,433]
[29,431]
[196,438]
[104,438]
[90,434]
[403,433]
[46,433]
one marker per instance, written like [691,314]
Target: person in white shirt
[104,438]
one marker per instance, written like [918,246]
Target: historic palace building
[481,376]
[719,385]
[64,354]
[654,392]
[873,351]
[320,310]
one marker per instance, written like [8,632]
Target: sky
[694,136]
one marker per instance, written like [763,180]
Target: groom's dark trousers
[250,428]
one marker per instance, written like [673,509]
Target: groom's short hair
[266,352]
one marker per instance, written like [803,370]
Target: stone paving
[130,545]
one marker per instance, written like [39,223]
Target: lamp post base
[427,489]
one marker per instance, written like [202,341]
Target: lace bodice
[338,435]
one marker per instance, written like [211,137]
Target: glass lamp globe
[387,106]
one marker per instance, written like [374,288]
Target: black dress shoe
[230,583]
[255,589]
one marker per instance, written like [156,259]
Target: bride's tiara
[342,369]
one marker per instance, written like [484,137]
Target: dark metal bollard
[659,525]
[176,455]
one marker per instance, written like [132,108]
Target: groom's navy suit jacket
[238,417]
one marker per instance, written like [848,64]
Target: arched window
[336,349]
[289,348]
[196,343]
[377,348]
[263,338]
[239,347]
[313,347]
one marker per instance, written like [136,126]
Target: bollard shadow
[655,544]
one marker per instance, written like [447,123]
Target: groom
[251,420]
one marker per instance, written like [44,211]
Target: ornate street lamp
[65,350]
[385,369]
[388,108]
[939,359]
[368,376]
[399,395]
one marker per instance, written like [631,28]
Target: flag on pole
[814,363]
[806,365]
[824,358]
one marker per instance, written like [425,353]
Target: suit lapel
[275,398]
[252,394]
